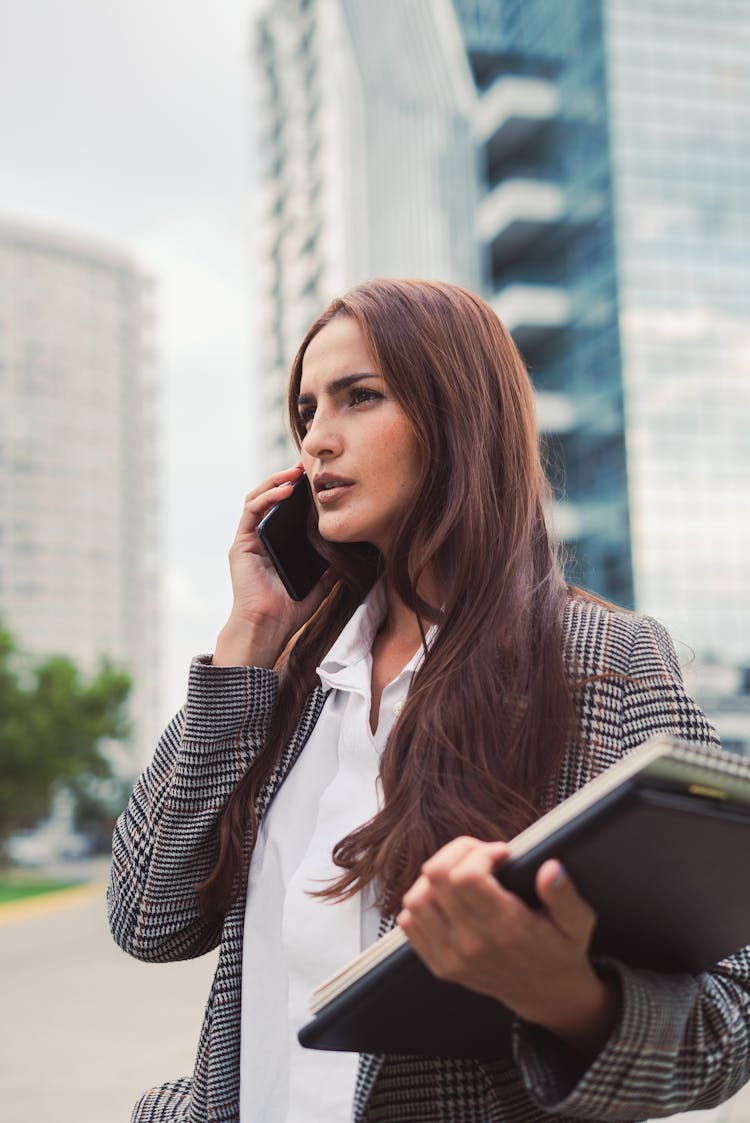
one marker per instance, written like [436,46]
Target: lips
[328,487]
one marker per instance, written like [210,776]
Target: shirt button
[398,707]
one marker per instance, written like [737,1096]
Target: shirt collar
[349,657]
[352,648]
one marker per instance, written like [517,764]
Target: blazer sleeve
[165,841]
[683,1041]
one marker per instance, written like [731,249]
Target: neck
[401,623]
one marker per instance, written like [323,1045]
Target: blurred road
[85,1028]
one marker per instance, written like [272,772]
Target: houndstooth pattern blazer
[682,1042]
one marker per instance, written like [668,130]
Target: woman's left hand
[468,929]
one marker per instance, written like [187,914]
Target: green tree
[54,729]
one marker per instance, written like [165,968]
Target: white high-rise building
[78,457]
[679,98]
[368,163]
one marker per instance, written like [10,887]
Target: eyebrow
[338,384]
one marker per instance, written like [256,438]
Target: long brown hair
[479,742]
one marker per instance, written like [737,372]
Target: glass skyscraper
[615,232]
[546,242]
[679,97]
[614,228]
[595,165]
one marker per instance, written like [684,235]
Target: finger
[286,474]
[429,936]
[470,890]
[566,908]
[447,857]
[437,870]
[464,867]
[419,896]
[260,501]
[423,920]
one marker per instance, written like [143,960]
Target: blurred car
[47,845]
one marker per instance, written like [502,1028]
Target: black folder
[660,847]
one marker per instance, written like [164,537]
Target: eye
[305,416]
[358,395]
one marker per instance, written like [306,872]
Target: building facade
[545,235]
[615,230]
[366,164]
[78,457]
[611,233]
[437,140]
[679,117]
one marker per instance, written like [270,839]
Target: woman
[356,756]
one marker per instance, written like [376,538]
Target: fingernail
[560,877]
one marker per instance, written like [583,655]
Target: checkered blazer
[683,1042]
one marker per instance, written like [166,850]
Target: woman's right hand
[263,615]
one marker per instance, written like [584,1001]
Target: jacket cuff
[224,702]
[561,1081]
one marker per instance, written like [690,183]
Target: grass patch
[16,890]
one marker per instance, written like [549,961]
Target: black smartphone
[283,532]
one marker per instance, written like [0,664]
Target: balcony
[570,521]
[555,413]
[532,313]
[517,212]
[511,111]
[524,212]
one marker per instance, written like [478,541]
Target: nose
[322,441]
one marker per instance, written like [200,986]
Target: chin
[342,533]
[331,532]
[337,535]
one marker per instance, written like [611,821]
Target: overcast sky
[131,123]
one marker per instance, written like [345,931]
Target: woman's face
[359,449]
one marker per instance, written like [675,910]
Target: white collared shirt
[293,941]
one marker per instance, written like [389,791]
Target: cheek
[399,460]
